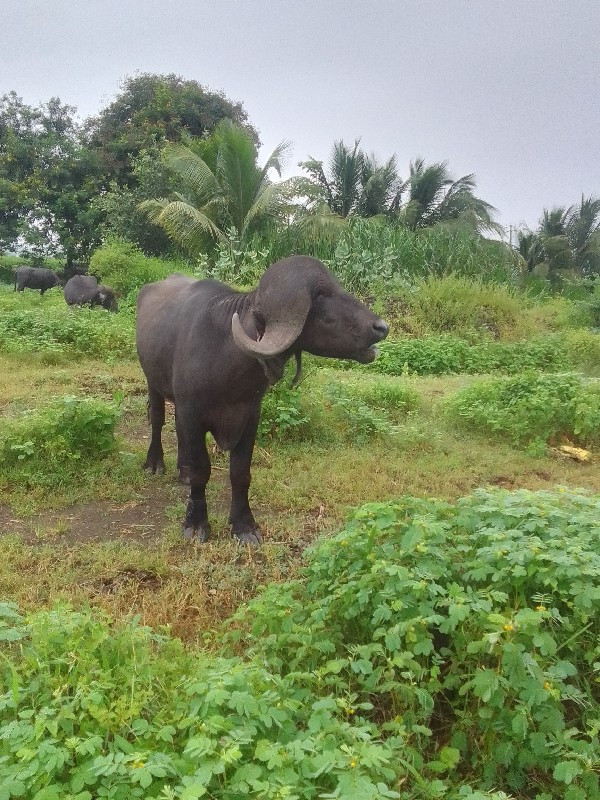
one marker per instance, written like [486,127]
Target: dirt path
[140,520]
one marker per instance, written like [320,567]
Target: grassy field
[418,624]
[108,534]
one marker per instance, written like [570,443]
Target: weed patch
[531,409]
[461,631]
[57,444]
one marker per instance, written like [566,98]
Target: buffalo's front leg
[156,412]
[195,523]
[241,519]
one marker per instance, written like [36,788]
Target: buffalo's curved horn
[278,336]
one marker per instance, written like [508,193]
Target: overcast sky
[508,89]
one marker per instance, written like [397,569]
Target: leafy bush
[466,307]
[441,355]
[126,269]
[47,328]
[531,409]
[330,409]
[282,415]
[357,421]
[56,444]
[90,710]
[468,632]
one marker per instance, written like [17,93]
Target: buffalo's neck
[244,303]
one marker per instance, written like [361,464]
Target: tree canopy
[154,108]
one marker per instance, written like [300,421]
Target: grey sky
[508,89]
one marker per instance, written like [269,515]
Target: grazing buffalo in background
[214,351]
[35,278]
[81,290]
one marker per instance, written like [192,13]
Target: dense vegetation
[411,648]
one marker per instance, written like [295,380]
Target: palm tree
[570,237]
[232,194]
[355,183]
[531,249]
[434,196]
[583,231]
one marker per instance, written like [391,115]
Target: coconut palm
[355,183]
[231,193]
[435,196]
[570,237]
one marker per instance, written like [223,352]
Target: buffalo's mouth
[368,355]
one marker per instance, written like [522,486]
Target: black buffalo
[214,351]
[38,278]
[82,290]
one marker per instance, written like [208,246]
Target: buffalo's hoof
[154,469]
[200,534]
[253,536]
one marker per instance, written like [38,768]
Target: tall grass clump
[531,409]
[48,329]
[467,307]
[367,254]
[57,444]
[467,632]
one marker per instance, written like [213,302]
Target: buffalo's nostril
[381,328]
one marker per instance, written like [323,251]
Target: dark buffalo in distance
[38,278]
[214,351]
[81,290]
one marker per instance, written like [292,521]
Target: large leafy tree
[119,206]
[221,189]
[357,184]
[48,176]
[155,108]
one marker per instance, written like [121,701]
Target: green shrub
[126,269]
[469,632]
[441,355]
[282,415]
[353,418]
[46,328]
[531,409]
[58,443]
[94,710]
[467,307]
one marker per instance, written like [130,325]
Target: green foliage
[93,710]
[335,408]
[46,328]
[48,177]
[373,253]
[231,194]
[468,632]
[531,409]
[282,415]
[467,307]
[123,267]
[440,355]
[57,443]
[151,108]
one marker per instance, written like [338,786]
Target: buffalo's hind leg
[241,519]
[156,412]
